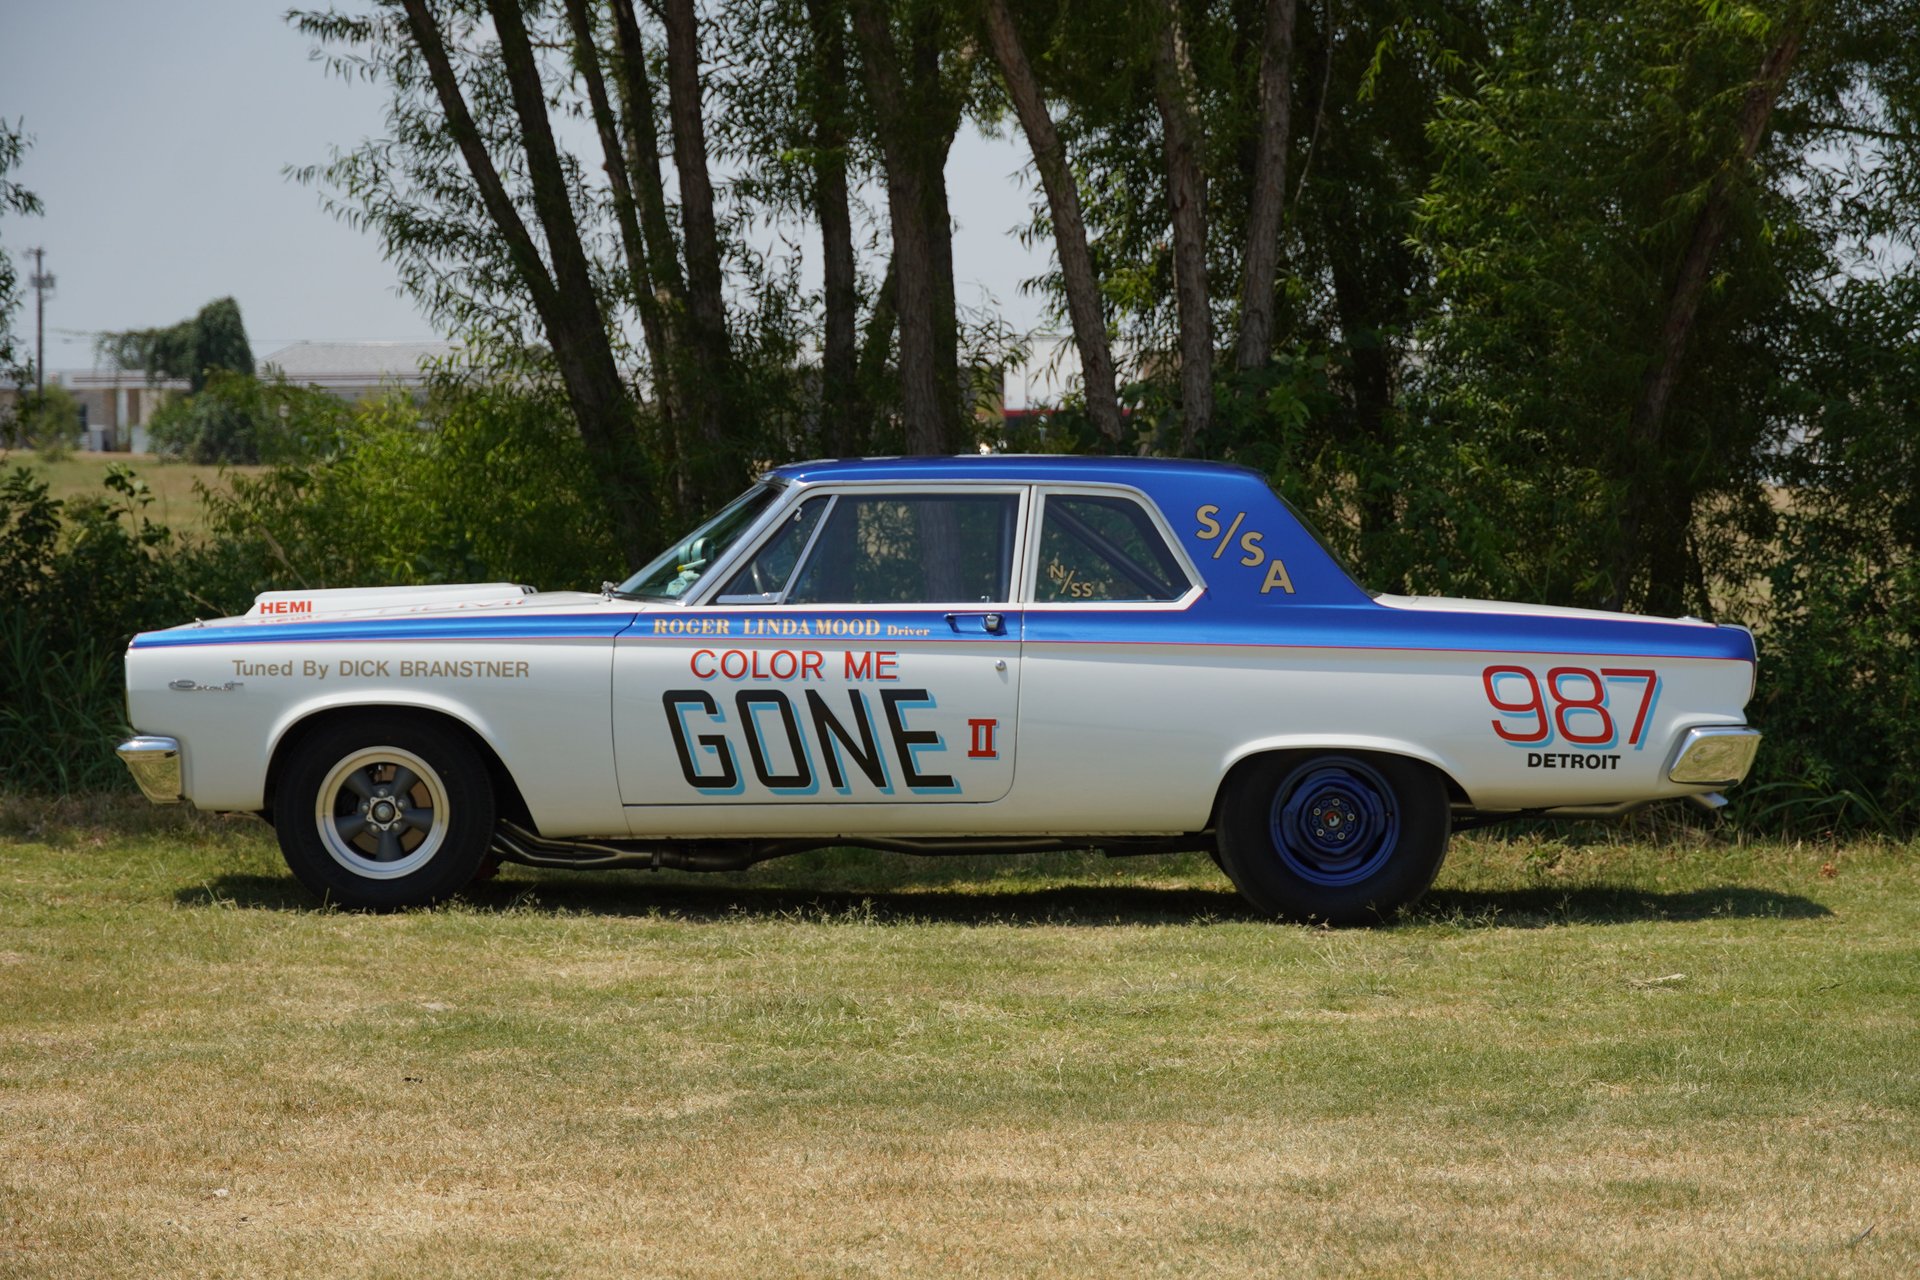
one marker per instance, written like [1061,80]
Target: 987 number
[1554,707]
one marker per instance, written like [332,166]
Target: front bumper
[1714,756]
[155,765]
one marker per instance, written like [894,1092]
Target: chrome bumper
[155,765]
[1714,756]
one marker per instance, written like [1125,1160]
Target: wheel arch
[297,728]
[1266,749]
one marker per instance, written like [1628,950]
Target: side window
[931,548]
[1094,549]
[763,578]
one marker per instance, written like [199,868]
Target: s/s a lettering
[1252,552]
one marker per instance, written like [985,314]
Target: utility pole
[41,282]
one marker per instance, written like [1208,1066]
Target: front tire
[1333,838]
[384,814]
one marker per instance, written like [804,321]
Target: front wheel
[384,814]
[1334,838]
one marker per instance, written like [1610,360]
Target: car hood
[352,604]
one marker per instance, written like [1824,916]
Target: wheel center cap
[384,812]
[1333,820]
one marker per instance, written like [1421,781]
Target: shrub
[77,579]
[240,419]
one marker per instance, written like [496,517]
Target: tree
[561,284]
[14,199]
[917,81]
[47,420]
[240,419]
[706,308]
[1629,252]
[1268,200]
[546,262]
[1645,538]
[1176,94]
[213,340]
[1069,227]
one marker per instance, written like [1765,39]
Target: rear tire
[382,814]
[1344,838]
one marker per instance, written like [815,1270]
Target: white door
[867,653]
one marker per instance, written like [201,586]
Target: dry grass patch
[176,501]
[1690,1057]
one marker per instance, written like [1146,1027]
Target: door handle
[991,623]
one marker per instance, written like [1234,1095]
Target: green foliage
[47,420]
[77,579]
[492,485]
[1839,616]
[1571,182]
[215,339]
[238,418]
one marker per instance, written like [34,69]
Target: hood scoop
[294,606]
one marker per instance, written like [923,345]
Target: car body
[932,655]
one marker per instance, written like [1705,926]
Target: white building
[357,370]
[117,404]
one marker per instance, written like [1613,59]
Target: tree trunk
[938,120]
[1174,93]
[842,417]
[881,322]
[1370,375]
[717,470]
[635,86]
[928,392]
[564,300]
[1255,345]
[1069,227]
[632,243]
[1646,425]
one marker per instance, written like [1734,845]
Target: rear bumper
[1714,756]
[155,765]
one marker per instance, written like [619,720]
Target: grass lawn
[1682,1056]
[175,504]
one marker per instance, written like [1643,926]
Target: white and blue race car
[935,655]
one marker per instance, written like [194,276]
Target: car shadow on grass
[1082,905]
[1547,907]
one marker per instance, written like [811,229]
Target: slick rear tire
[384,813]
[1337,838]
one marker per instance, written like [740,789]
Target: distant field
[1682,1057]
[175,503]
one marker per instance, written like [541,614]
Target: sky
[160,132]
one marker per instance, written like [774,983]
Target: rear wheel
[384,814]
[1334,838]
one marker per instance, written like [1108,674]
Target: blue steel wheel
[1336,838]
[1335,822]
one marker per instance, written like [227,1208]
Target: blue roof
[1006,467]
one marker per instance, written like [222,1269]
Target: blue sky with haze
[159,135]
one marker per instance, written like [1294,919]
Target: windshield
[672,573]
